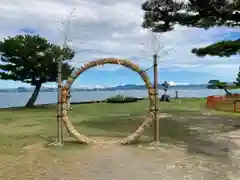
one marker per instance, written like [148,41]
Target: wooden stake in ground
[155,86]
[59,70]
[59,104]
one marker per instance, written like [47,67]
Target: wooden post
[235,106]
[59,103]
[59,81]
[156,132]
[176,96]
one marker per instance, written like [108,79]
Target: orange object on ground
[230,103]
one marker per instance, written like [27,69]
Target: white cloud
[111,28]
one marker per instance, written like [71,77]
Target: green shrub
[121,99]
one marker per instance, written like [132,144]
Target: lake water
[10,99]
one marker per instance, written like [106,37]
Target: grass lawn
[22,127]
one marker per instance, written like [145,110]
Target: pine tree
[164,14]
[32,60]
[237,82]
[213,84]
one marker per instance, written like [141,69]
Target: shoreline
[12,100]
[89,102]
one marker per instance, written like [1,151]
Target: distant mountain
[141,87]
[122,87]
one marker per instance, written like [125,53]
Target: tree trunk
[228,93]
[34,96]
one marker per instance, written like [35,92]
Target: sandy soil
[108,161]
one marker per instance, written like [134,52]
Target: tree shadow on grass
[202,131]
[200,143]
[172,131]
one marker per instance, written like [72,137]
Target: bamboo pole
[156,133]
[59,103]
[59,71]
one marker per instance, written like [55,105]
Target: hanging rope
[148,68]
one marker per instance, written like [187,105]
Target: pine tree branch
[222,48]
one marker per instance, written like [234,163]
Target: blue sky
[102,29]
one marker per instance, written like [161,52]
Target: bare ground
[207,154]
[108,161]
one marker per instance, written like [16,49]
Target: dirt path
[119,163]
[111,162]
